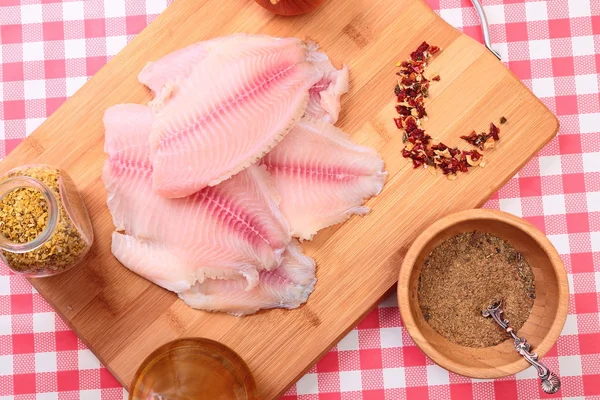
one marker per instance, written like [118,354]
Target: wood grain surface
[123,317]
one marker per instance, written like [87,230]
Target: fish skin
[322,176]
[201,137]
[288,286]
[324,101]
[231,230]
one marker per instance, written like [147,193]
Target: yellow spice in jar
[24,216]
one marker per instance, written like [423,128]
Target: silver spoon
[550,381]
[485,27]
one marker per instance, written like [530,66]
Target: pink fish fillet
[285,287]
[227,114]
[165,74]
[174,67]
[324,100]
[233,230]
[322,176]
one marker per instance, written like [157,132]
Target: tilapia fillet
[288,286]
[324,96]
[171,69]
[164,75]
[229,111]
[233,230]
[322,176]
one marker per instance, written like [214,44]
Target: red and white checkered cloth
[49,48]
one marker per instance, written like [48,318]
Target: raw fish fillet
[297,267]
[233,230]
[173,68]
[228,113]
[324,100]
[167,72]
[322,176]
[285,287]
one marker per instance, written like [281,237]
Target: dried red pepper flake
[494,131]
[403,110]
[475,155]
[411,90]
[484,140]
[410,124]
[475,139]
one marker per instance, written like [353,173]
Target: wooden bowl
[541,329]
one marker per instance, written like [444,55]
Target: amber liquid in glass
[198,369]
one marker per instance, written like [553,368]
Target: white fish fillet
[171,68]
[165,74]
[178,65]
[322,176]
[285,287]
[324,100]
[228,113]
[232,230]
[296,267]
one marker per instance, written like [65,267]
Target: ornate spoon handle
[550,381]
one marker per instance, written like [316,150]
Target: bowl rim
[237,363]
[404,299]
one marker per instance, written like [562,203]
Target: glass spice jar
[45,228]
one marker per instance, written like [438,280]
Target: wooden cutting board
[123,317]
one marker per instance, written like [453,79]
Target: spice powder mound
[23,215]
[465,274]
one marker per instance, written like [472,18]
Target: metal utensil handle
[550,381]
[485,28]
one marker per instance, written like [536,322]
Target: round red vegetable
[290,7]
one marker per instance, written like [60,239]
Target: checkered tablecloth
[49,48]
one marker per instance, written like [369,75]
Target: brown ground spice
[465,274]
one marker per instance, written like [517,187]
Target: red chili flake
[406,81]
[475,139]
[410,124]
[436,78]
[403,110]
[475,155]
[484,140]
[397,90]
[411,91]
[494,131]
[418,55]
